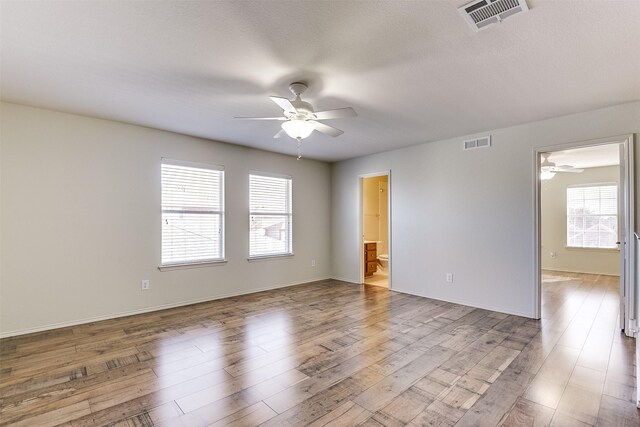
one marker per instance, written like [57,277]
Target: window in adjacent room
[270,215]
[592,216]
[192,213]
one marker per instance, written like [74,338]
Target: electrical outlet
[313,263]
[449,278]
[145,285]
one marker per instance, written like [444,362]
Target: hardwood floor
[332,354]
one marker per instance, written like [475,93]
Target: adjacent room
[581,200]
[319,213]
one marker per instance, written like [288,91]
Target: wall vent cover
[482,142]
[480,14]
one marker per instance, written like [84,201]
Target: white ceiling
[414,71]
[588,157]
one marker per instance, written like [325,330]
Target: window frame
[221,213]
[290,252]
[568,216]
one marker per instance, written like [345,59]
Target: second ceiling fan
[548,169]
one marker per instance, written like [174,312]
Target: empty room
[319,213]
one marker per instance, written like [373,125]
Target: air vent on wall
[480,14]
[482,142]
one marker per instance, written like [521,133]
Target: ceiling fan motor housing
[303,108]
[297,88]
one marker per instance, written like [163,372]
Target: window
[269,216]
[592,216]
[192,213]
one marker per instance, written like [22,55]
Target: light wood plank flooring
[379,278]
[332,354]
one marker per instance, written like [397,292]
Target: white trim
[595,184]
[183,265]
[148,310]
[270,174]
[459,302]
[587,272]
[344,279]
[587,249]
[467,304]
[268,257]
[188,164]
[630,200]
[360,229]
[374,174]
[537,236]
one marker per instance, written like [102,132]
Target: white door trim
[627,248]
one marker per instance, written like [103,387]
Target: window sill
[169,267]
[268,257]
[577,248]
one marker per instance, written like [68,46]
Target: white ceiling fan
[548,169]
[300,120]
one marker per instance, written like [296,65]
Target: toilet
[383,261]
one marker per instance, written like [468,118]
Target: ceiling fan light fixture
[546,175]
[298,128]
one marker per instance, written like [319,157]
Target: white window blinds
[192,213]
[270,216]
[592,216]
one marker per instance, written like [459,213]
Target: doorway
[584,225]
[375,247]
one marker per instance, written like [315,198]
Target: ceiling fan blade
[329,130]
[261,118]
[564,168]
[280,134]
[571,170]
[284,103]
[336,114]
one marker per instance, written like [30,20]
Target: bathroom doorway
[375,248]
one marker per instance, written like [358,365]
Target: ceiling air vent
[482,142]
[483,13]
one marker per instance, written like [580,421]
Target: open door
[626,241]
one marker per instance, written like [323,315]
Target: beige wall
[469,213]
[81,220]
[383,199]
[375,210]
[553,198]
[370,208]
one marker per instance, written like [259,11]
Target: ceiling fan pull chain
[299,148]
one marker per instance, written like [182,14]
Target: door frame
[627,250]
[361,223]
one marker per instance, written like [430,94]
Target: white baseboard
[474,305]
[580,272]
[146,310]
[343,279]
[637,376]
[460,302]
